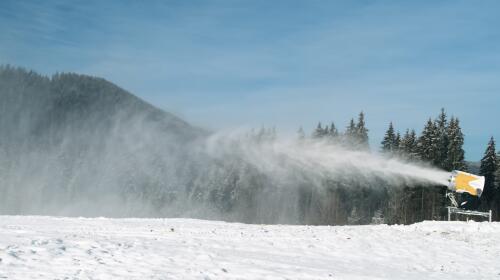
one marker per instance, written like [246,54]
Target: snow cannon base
[468,213]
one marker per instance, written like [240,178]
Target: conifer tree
[404,142]
[351,130]
[319,132]
[441,124]
[428,143]
[412,143]
[488,170]
[497,189]
[349,136]
[497,175]
[408,144]
[362,132]
[397,143]
[389,142]
[455,159]
[333,132]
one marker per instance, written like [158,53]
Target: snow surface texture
[79,248]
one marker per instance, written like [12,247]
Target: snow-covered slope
[79,248]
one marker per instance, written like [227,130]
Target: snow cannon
[463,182]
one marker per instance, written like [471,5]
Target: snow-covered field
[77,248]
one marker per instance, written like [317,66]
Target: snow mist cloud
[286,160]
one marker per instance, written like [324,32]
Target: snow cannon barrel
[463,182]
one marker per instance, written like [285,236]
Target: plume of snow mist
[286,160]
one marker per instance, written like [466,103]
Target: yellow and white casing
[463,182]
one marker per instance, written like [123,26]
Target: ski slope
[33,247]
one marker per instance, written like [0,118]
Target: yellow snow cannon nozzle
[463,182]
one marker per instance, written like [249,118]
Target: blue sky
[225,64]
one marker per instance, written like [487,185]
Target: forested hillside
[77,145]
[73,139]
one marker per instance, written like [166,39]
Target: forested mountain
[72,139]
[77,145]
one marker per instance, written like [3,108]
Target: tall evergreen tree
[497,173]
[362,132]
[320,132]
[397,142]
[404,141]
[442,138]
[496,203]
[351,130]
[349,135]
[389,142]
[333,132]
[428,143]
[412,142]
[455,158]
[408,145]
[488,170]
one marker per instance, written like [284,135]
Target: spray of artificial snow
[137,171]
[284,158]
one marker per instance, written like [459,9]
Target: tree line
[440,144]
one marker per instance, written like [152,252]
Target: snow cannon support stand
[463,182]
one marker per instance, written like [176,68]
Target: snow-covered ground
[78,248]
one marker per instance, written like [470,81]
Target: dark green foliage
[428,144]
[361,132]
[442,139]
[389,142]
[455,156]
[408,145]
[488,169]
[397,143]
[496,202]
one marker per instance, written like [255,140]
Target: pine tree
[408,144]
[497,174]
[389,142]
[349,136]
[362,132]
[412,142]
[404,141]
[441,125]
[488,170]
[428,143]
[333,132]
[397,143]
[455,159]
[497,189]
[351,130]
[320,132]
